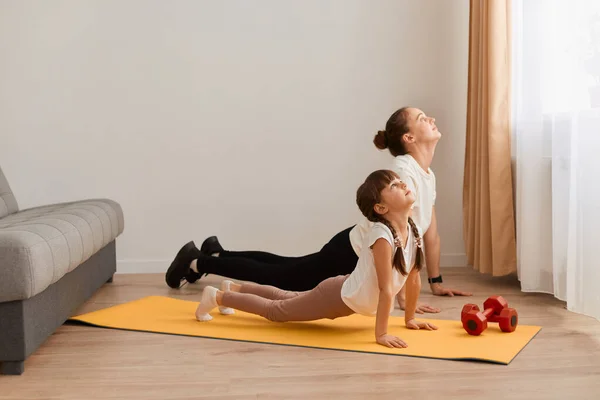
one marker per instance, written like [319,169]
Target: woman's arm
[382,255]
[431,240]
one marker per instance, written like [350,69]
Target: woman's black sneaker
[211,246]
[180,267]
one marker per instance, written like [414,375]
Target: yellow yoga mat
[354,333]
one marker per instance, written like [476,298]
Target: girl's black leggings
[302,273]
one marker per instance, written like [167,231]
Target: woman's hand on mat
[391,341]
[439,290]
[414,324]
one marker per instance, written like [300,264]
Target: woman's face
[422,127]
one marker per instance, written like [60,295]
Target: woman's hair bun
[380,140]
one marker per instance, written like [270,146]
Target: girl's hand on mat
[391,341]
[413,324]
[421,308]
[426,308]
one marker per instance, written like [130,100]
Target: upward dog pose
[391,258]
[411,138]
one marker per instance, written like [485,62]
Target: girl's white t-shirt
[360,291]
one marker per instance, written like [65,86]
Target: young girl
[391,257]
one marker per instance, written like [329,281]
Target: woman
[411,137]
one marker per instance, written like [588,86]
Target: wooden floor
[79,362]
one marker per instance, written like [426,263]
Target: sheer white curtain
[556,149]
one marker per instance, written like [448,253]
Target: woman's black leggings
[288,273]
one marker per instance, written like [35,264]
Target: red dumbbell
[496,309]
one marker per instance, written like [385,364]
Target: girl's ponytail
[398,262]
[419,243]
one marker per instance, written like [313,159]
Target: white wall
[249,120]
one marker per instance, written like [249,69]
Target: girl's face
[396,196]
[421,127]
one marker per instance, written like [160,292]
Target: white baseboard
[142,266]
[453,260]
[160,266]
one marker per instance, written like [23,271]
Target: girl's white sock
[226,287]
[208,302]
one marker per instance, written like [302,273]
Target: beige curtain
[488,213]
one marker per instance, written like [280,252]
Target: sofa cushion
[8,203]
[38,246]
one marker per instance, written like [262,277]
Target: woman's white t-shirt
[360,291]
[421,182]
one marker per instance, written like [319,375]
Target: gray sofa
[52,259]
